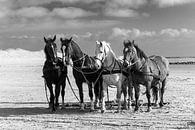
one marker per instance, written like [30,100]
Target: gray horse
[151,72]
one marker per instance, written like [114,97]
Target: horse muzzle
[98,64]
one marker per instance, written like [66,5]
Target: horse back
[159,66]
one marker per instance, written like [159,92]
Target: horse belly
[112,79]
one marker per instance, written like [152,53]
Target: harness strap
[84,55]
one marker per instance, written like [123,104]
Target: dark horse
[54,72]
[84,70]
[151,72]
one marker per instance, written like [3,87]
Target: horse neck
[110,61]
[77,53]
[48,58]
[138,62]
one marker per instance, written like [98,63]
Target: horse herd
[102,70]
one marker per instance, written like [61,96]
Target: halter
[55,56]
[131,64]
[105,55]
[130,61]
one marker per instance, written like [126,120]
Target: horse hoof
[103,111]
[62,107]
[161,104]
[118,111]
[136,109]
[53,110]
[97,105]
[82,106]
[149,109]
[125,108]
[155,104]
[92,109]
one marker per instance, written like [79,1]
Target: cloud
[125,3]
[177,32]
[71,12]
[31,12]
[123,8]
[121,13]
[35,14]
[22,37]
[136,33]
[168,3]
[131,33]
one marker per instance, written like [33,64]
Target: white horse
[106,58]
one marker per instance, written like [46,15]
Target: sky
[159,27]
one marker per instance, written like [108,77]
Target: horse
[113,73]
[84,70]
[152,72]
[54,72]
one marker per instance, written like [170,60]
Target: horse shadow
[15,110]
[25,109]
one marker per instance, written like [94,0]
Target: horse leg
[63,93]
[130,93]
[155,93]
[118,96]
[124,90]
[91,96]
[104,91]
[148,95]
[162,89]
[57,93]
[97,94]
[137,92]
[80,87]
[51,103]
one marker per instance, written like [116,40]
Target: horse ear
[45,40]
[61,39]
[101,43]
[125,43]
[54,38]
[97,42]
[70,39]
[133,42]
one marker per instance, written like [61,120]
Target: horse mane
[140,53]
[88,60]
[108,45]
[76,46]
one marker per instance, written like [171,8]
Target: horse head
[51,49]
[129,52]
[101,52]
[66,49]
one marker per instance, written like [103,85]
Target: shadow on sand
[23,108]
[28,108]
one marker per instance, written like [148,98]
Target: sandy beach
[23,103]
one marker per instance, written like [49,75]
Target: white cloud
[87,35]
[32,12]
[170,32]
[177,32]
[22,37]
[71,12]
[134,33]
[167,3]
[121,12]
[125,3]
[123,8]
